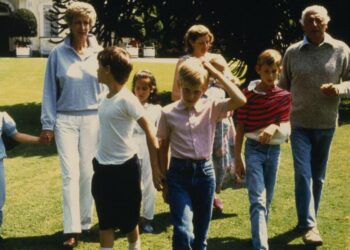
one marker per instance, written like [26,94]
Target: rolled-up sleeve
[8,125]
[163,128]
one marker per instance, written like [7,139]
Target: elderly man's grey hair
[322,11]
[80,8]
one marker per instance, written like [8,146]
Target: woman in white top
[69,111]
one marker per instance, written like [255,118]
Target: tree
[116,19]
[241,32]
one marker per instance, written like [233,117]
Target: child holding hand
[116,180]
[8,126]
[144,86]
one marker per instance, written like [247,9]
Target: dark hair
[269,57]
[146,74]
[118,60]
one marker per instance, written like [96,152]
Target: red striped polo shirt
[261,110]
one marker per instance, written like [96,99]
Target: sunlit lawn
[33,214]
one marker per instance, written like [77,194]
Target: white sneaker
[312,237]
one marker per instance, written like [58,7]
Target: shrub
[24,25]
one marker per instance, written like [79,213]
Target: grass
[33,213]
[22,79]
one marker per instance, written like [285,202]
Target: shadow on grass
[27,118]
[49,242]
[40,242]
[161,222]
[217,215]
[280,242]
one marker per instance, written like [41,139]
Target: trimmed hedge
[24,24]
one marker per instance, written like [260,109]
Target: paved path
[155,60]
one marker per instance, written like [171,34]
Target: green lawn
[33,214]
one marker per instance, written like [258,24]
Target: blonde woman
[69,113]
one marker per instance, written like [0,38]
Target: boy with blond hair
[264,121]
[188,127]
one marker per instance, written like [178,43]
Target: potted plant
[149,49]
[24,25]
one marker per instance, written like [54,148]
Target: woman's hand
[46,136]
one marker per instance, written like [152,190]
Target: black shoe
[147,228]
[86,232]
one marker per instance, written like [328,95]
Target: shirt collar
[327,40]
[197,107]
[252,87]
[93,44]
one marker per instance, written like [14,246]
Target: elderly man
[316,70]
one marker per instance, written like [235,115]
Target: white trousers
[147,186]
[76,141]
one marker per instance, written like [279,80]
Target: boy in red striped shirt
[264,121]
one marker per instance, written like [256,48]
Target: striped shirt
[264,108]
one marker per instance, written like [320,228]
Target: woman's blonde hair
[193,33]
[80,9]
[192,73]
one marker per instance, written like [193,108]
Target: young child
[264,121]
[188,127]
[8,126]
[144,86]
[116,180]
[223,154]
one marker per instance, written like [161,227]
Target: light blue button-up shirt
[7,126]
